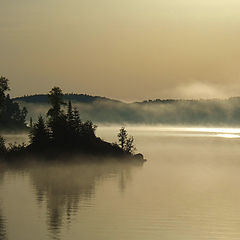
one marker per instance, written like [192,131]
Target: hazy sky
[124,49]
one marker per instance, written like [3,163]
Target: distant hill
[159,111]
[43,98]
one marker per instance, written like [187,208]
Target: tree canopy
[125,142]
[60,128]
[11,115]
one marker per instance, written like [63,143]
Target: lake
[188,189]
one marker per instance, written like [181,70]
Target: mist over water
[188,189]
[3,235]
[208,112]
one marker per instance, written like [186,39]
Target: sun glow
[215,130]
[185,131]
[228,136]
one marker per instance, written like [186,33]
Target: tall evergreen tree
[2,145]
[122,137]
[77,123]
[125,142]
[69,112]
[55,97]
[39,134]
[129,147]
[88,129]
[57,119]
[3,89]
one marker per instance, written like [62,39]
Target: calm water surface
[188,189]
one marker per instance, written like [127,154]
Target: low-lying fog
[169,112]
[109,132]
[188,189]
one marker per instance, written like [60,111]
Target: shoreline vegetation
[60,133]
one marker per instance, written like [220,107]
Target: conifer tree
[69,112]
[122,137]
[55,97]
[125,142]
[39,134]
[3,89]
[77,122]
[129,147]
[57,119]
[2,145]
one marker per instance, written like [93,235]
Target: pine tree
[122,137]
[125,142]
[70,112]
[3,89]
[88,129]
[39,134]
[57,119]
[56,100]
[129,147]
[2,145]
[77,122]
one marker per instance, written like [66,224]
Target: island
[62,133]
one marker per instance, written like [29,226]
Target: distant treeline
[43,98]
[169,111]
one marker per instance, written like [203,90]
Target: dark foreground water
[189,189]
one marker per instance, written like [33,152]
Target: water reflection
[189,189]
[64,187]
[3,234]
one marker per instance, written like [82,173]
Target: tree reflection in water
[64,186]
[3,232]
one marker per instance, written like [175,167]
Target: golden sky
[124,49]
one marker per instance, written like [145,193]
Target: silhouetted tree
[73,125]
[3,89]
[70,112]
[129,147]
[17,148]
[125,142]
[56,100]
[11,116]
[23,114]
[77,122]
[122,137]
[88,129]
[2,145]
[39,134]
[57,119]
[67,129]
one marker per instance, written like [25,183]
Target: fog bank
[167,112]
